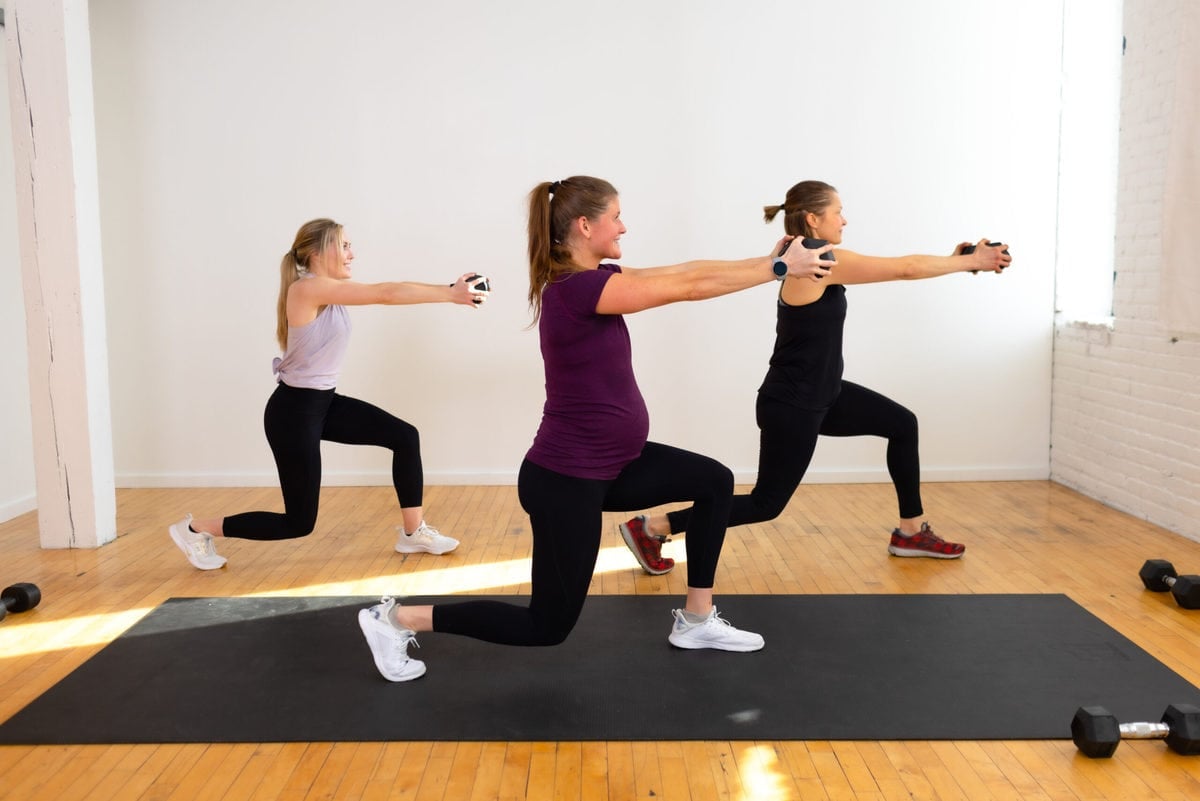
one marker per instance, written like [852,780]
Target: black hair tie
[554,187]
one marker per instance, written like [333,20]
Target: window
[1088,140]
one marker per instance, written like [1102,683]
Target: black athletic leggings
[565,514]
[296,420]
[788,437]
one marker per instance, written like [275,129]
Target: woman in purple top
[313,329]
[590,454]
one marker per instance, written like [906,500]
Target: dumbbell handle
[1144,731]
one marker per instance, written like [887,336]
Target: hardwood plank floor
[1021,537]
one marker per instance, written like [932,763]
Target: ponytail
[289,273]
[769,212]
[541,260]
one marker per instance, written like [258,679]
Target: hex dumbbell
[19,598]
[1097,733]
[1158,575]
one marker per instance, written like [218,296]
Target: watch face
[780,268]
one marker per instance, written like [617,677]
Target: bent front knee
[552,637]
[295,529]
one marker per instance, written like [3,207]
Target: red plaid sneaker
[924,543]
[646,547]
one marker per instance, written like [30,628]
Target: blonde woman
[313,330]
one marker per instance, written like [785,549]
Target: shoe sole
[401,548]
[631,543]
[364,623]
[910,553]
[178,540]
[696,646]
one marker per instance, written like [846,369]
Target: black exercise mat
[836,667]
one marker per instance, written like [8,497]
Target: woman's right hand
[803,262]
[465,290]
[986,257]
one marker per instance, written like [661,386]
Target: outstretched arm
[857,268]
[635,290]
[307,296]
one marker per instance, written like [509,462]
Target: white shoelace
[202,545]
[400,647]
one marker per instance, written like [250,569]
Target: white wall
[1126,411]
[17,485]
[421,126]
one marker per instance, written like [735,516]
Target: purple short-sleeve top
[594,421]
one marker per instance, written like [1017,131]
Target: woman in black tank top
[804,396]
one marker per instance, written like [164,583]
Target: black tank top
[806,365]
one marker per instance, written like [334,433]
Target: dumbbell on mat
[19,598]
[1158,575]
[1097,733]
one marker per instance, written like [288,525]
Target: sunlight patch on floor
[762,780]
[103,628]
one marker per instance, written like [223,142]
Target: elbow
[912,270]
[704,288]
[396,294]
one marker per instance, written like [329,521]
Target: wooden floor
[1021,537]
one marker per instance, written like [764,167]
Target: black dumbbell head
[21,597]
[1184,721]
[813,244]
[1095,732]
[1155,573]
[1186,590]
[969,249]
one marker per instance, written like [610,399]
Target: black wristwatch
[780,268]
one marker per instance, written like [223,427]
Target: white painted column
[58,222]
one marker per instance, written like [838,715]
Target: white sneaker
[389,645]
[197,546]
[712,632]
[426,539]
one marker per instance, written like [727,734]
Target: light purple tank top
[315,351]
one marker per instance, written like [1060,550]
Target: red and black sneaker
[924,543]
[646,547]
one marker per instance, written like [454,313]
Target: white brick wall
[1125,403]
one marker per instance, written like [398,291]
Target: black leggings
[788,437]
[565,514]
[296,420]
